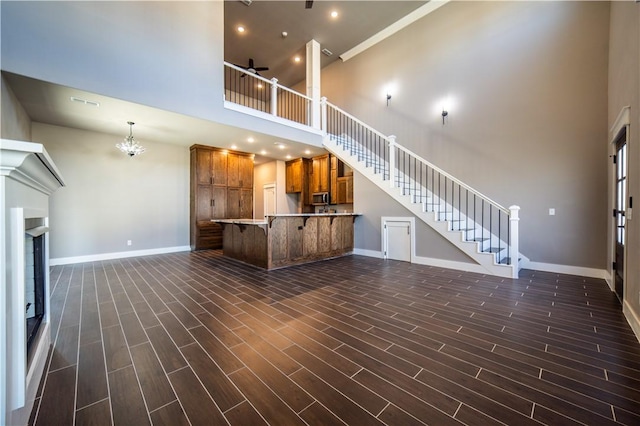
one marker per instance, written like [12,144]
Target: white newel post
[274,96]
[323,114]
[392,160]
[515,242]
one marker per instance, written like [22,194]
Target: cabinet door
[203,166]
[341,191]
[233,203]
[294,177]
[246,203]
[219,203]
[203,203]
[245,166]
[219,168]
[233,170]
[334,186]
[349,198]
[323,179]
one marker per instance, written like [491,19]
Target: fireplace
[27,178]
[34,279]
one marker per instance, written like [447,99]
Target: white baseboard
[472,267]
[632,319]
[117,255]
[568,269]
[429,261]
[368,253]
[449,264]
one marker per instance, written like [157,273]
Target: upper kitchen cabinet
[211,167]
[320,174]
[239,170]
[296,175]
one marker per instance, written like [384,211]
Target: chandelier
[130,146]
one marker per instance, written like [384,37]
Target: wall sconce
[444,114]
[388,99]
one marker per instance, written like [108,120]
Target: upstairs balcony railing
[250,90]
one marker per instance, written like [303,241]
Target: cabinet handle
[211,180]
[213,203]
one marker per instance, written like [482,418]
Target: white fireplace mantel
[27,177]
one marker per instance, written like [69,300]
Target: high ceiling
[264,22]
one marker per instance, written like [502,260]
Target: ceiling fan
[252,68]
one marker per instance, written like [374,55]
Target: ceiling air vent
[84,101]
[327,52]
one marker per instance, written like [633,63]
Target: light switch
[552,212]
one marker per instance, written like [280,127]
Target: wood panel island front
[288,239]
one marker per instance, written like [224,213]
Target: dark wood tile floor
[194,338]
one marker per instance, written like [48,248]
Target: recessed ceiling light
[250,139]
[234,147]
[297,59]
[241,29]
[334,13]
[259,86]
[263,152]
[288,157]
[307,152]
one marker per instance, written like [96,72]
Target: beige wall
[263,174]
[15,123]
[110,198]
[624,90]
[527,119]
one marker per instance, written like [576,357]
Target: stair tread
[493,250]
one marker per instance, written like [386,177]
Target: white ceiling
[358,20]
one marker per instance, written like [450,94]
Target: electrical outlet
[552,212]
[128,242]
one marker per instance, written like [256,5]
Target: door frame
[621,124]
[412,234]
[264,198]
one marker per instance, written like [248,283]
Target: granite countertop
[265,221]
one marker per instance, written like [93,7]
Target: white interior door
[269,199]
[398,240]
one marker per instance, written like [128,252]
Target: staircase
[481,228]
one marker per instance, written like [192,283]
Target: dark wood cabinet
[344,191]
[239,171]
[239,203]
[221,187]
[296,172]
[320,176]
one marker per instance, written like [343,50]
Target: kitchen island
[288,239]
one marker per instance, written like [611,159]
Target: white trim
[451,264]
[369,253]
[632,318]
[394,28]
[116,255]
[623,119]
[569,270]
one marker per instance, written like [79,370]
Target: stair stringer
[486,261]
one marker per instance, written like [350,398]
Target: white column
[274,96]
[313,82]
[515,241]
[392,160]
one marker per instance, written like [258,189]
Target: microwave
[320,198]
